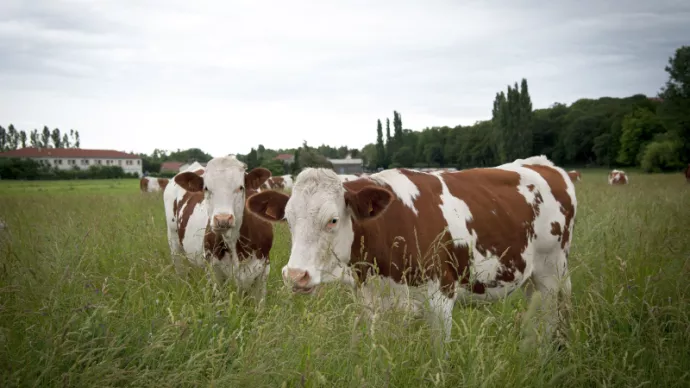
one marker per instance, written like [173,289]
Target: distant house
[70,158]
[347,165]
[171,167]
[285,158]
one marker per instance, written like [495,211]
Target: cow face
[320,214]
[224,185]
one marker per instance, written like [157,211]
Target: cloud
[138,75]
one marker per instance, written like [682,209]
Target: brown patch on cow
[144,184]
[574,175]
[274,182]
[618,178]
[163,182]
[559,189]
[556,230]
[502,220]
[189,201]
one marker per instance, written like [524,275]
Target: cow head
[225,185]
[319,213]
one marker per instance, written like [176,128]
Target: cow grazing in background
[687,173]
[471,235]
[618,177]
[575,175]
[283,182]
[152,184]
[207,223]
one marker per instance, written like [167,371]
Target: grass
[88,297]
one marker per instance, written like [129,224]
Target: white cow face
[319,213]
[224,185]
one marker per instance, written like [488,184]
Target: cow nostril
[299,277]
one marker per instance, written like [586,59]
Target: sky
[225,76]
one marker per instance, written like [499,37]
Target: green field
[88,298]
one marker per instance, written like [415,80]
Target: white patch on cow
[617,176]
[348,177]
[152,185]
[400,185]
[249,275]
[288,182]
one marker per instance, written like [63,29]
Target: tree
[22,138]
[35,138]
[639,129]
[57,139]
[65,141]
[380,148]
[397,129]
[252,159]
[12,138]
[390,147]
[76,140]
[3,139]
[45,137]
[295,167]
[675,108]
[404,157]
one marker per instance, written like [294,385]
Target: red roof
[284,157]
[171,166]
[30,152]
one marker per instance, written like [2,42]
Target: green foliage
[380,148]
[661,155]
[639,128]
[404,157]
[275,166]
[675,109]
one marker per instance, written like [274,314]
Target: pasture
[88,297]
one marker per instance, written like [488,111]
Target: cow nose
[298,277]
[224,220]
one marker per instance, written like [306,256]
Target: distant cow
[687,173]
[473,235]
[574,175]
[207,223]
[618,177]
[283,182]
[152,184]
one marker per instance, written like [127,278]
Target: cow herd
[431,239]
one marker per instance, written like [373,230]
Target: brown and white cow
[283,182]
[687,173]
[152,184]
[472,235]
[575,175]
[618,177]
[207,222]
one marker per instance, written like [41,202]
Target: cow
[348,177]
[471,235]
[575,175]
[687,173]
[283,182]
[618,177]
[152,184]
[207,223]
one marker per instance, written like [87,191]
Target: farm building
[347,165]
[70,158]
[171,166]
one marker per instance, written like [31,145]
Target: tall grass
[88,297]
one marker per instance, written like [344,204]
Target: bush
[29,169]
[661,156]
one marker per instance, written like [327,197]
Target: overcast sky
[225,76]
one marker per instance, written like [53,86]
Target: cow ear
[190,181]
[268,205]
[368,203]
[255,178]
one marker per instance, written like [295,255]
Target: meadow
[88,297]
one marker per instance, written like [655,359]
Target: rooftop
[31,152]
[172,166]
[284,156]
[346,161]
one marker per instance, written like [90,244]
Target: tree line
[12,139]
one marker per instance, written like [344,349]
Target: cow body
[152,184]
[618,177]
[687,173]
[574,175]
[207,224]
[348,177]
[471,235]
[283,182]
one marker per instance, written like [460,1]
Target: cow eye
[206,189]
[332,222]
[241,188]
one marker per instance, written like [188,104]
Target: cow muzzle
[222,222]
[299,280]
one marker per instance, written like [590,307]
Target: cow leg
[258,288]
[440,316]
[550,278]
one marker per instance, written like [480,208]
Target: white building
[70,158]
[347,165]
